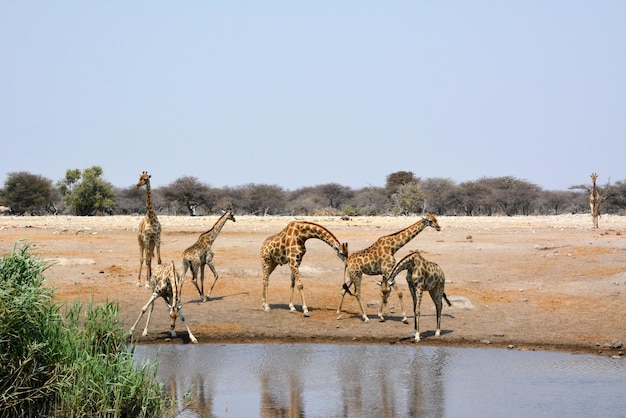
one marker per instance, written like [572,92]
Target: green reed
[73,365]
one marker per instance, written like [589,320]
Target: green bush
[65,367]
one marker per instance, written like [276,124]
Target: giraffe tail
[446,299]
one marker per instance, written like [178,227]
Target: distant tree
[557,201]
[409,199]
[87,193]
[27,193]
[397,179]
[469,196]
[129,200]
[264,199]
[304,201]
[512,195]
[371,201]
[189,192]
[335,194]
[438,193]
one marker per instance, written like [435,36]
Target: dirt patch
[525,282]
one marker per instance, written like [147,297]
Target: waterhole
[311,380]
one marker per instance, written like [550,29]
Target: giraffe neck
[403,264]
[310,230]
[150,213]
[401,238]
[211,235]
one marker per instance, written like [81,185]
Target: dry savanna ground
[551,283]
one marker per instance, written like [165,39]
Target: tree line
[86,193]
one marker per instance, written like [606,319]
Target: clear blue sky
[302,93]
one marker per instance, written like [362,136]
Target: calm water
[309,380]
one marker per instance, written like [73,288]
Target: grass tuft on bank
[74,364]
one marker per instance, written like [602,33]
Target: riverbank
[530,283]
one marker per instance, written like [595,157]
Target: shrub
[54,366]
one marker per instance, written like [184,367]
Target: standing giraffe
[594,201]
[378,259]
[422,275]
[166,283]
[287,247]
[200,253]
[149,233]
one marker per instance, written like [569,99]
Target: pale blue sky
[302,93]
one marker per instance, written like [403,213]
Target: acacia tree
[264,199]
[87,193]
[397,179]
[27,193]
[191,193]
[409,198]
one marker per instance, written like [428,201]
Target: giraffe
[166,283]
[149,233]
[288,247]
[422,275]
[594,201]
[378,259]
[196,256]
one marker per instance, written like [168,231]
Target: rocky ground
[549,283]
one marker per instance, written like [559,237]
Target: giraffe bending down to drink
[200,253]
[287,247]
[422,275]
[166,283]
[149,233]
[378,259]
[594,201]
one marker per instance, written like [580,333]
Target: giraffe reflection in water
[278,380]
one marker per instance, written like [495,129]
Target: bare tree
[189,192]
[265,199]
[438,193]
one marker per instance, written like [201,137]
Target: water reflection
[304,380]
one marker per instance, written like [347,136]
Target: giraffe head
[143,179]
[176,303]
[230,216]
[342,252]
[431,221]
[594,176]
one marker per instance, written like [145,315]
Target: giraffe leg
[268,268]
[385,290]
[149,254]
[202,263]
[158,250]
[356,279]
[182,318]
[357,289]
[400,295]
[385,298]
[141,259]
[416,333]
[143,311]
[436,295]
[215,276]
[296,281]
[345,289]
[194,276]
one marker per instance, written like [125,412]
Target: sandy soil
[550,283]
